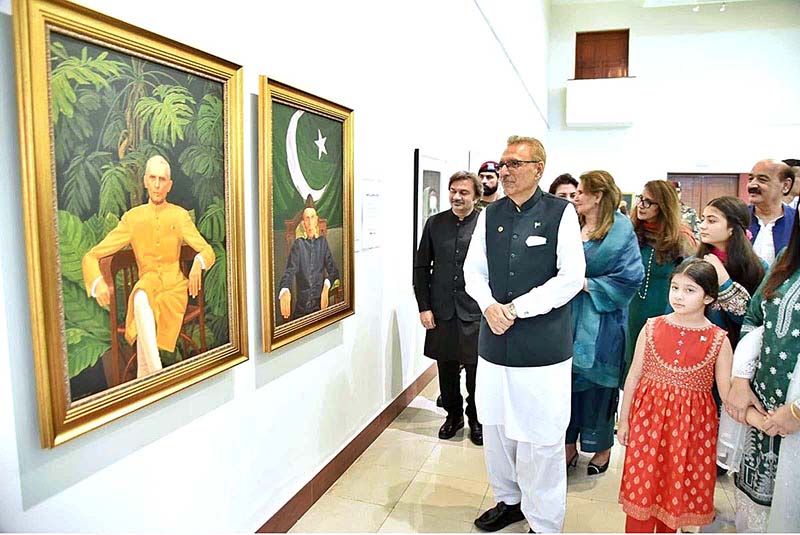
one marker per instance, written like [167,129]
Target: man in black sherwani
[451,317]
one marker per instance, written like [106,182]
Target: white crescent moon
[293,161]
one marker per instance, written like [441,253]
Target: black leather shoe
[476,432]
[499,516]
[439,402]
[451,427]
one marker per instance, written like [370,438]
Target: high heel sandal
[573,462]
[596,469]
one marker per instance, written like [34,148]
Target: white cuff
[94,285]
[283,291]
[199,258]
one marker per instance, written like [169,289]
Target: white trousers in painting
[148,360]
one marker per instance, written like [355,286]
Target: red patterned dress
[670,467]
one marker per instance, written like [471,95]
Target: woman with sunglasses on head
[664,241]
[613,274]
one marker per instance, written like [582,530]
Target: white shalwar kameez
[525,411]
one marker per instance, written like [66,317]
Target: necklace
[646,277]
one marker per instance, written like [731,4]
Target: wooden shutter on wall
[601,54]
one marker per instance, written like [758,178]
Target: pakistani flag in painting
[307,160]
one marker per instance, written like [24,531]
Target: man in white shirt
[771,220]
[524,265]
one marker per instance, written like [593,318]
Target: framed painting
[626,203]
[306,215]
[431,174]
[131,159]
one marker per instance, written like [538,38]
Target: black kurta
[439,287]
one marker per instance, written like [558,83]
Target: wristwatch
[512,309]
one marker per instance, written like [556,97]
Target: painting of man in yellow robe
[155,231]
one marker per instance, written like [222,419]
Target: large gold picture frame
[306,212]
[112,119]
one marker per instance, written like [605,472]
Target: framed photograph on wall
[431,175]
[306,215]
[131,158]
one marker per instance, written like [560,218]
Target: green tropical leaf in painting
[71,72]
[88,326]
[83,349]
[74,239]
[203,165]
[72,133]
[216,283]
[219,326]
[212,223]
[115,183]
[81,179]
[210,121]
[168,111]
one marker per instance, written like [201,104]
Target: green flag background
[319,171]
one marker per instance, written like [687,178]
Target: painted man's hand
[102,294]
[195,279]
[323,299]
[286,304]
[498,318]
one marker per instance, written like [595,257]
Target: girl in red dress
[668,420]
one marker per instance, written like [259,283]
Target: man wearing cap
[488,176]
[524,265]
[770,219]
[792,196]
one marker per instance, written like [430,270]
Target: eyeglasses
[514,164]
[645,203]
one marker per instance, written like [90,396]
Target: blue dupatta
[599,318]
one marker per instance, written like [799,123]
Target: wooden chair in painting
[120,273]
[294,230]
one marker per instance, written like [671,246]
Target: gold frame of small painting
[306,212]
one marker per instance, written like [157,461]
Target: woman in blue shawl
[599,317]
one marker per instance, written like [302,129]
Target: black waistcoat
[517,265]
[439,267]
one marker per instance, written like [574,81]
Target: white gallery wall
[226,454]
[717,91]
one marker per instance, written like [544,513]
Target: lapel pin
[500,228]
[537,224]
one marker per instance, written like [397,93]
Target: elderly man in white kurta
[525,263]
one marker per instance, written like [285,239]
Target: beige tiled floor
[409,481]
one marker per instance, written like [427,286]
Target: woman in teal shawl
[599,317]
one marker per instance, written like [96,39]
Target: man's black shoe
[476,432]
[451,427]
[439,402]
[499,516]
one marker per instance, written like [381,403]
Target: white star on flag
[320,142]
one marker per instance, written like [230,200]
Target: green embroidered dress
[780,349]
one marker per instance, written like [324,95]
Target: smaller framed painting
[306,216]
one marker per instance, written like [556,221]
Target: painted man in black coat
[451,317]
[311,267]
